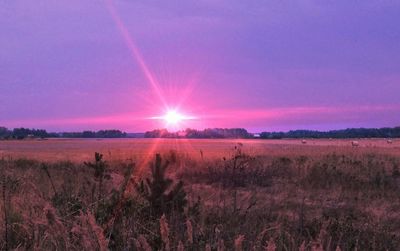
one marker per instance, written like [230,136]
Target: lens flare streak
[134,50]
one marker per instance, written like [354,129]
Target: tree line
[23,133]
[209,133]
[385,132]
[92,134]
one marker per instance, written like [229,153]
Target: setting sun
[173,117]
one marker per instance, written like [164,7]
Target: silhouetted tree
[199,134]
[155,190]
[5,133]
[346,133]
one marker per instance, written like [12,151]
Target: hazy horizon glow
[265,66]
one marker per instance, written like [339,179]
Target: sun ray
[147,158]
[135,51]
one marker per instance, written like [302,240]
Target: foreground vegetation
[241,202]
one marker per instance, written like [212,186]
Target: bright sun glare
[174,120]
[173,117]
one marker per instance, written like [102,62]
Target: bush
[162,196]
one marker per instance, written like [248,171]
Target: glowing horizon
[220,118]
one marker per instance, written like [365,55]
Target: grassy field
[78,150]
[200,195]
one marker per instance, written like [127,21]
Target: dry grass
[263,196]
[79,150]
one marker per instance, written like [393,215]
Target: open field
[213,195]
[121,149]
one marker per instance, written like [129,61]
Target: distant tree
[345,133]
[158,133]
[88,134]
[5,133]
[98,134]
[21,133]
[197,134]
[110,134]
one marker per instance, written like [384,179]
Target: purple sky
[262,65]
